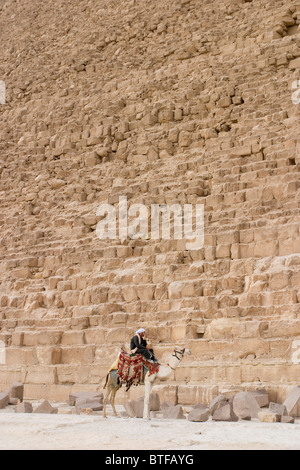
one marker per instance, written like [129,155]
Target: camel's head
[181,352]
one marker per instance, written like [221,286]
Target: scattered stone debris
[225,413]
[12,395]
[261,396]
[165,404]
[16,390]
[278,409]
[173,412]
[244,405]
[216,403]
[135,408]
[46,408]
[199,413]
[292,402]
[267,416]
[95,396]
[88,403]
[130,410]
[24,407]
[4,399]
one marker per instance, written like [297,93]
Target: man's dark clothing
[141,347]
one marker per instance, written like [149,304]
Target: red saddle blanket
[130,368]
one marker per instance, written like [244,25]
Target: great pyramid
[164,102]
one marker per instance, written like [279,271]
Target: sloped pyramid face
[182,102]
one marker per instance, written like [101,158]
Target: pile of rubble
[243,405]
[81,402]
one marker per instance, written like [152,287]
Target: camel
[165,370]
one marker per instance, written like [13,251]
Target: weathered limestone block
[278,409]
[218,401]
[48,355]
[22,273]
[184,139]
[173,412]
[245,406]
[98,295]
[94,336]
[165,115]
[267,416]
[154,401]
[221,328]
[174,290]
[24,407]
[150,119]
[294,64]
[88,396]
[129,293]
[16,390]
[70,298]
[46,408]
[208,133]
[91,159]
[287,419]
[136,407]
[88,403]
[167,393]
[292,402]
[145,292]
[41,338]
[225,413]
[223,251]
[4,399]
[199,413]
[17,356]
[130,409]
[73,337]
[77,355]
[41,375]
[261,396]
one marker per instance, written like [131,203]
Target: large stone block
[173,412]
[4,399]
[292,402]
[199,413]
[24,407]
[88,403]
[261,397]
[267,416]
[16,390]
[225,413]
[278,409]
[217,402]
[88,396]
[245,405]
[46,408]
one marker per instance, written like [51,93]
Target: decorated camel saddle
[131,369]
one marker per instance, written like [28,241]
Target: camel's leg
[108,391]
[148,387]
[112,399]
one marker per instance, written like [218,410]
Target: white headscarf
[139,331]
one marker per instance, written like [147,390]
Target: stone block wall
[164,102]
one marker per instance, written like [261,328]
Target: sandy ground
[83,432]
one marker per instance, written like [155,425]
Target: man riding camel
[138,345]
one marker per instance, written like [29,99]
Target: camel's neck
[174,362]
[166,369]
